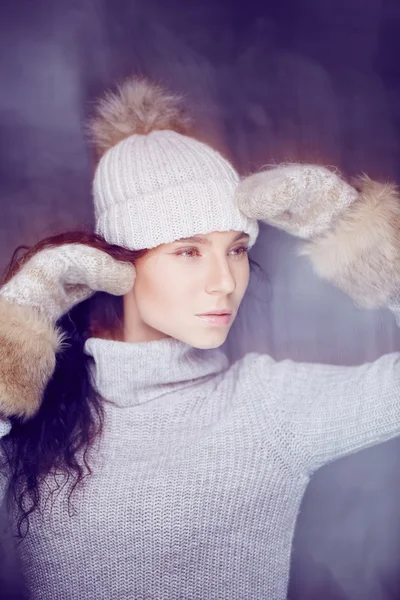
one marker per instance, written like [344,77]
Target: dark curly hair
[71,413]
[59,437]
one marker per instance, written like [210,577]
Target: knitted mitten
[303,200]
[50,283]
[353,232]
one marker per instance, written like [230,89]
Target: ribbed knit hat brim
[157,184]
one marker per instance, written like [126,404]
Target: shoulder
[257,373]
[264,368]
[254,364]
[274,380]
[289,380]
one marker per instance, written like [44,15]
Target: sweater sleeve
[324,412]
[5,428]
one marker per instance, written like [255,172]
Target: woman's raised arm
[353,240]
[45,288]
[323,412]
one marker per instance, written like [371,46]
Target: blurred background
[296,80]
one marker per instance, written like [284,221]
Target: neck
[136,373]
[134,329]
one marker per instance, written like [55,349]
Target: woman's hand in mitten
[353,232]
[50,283]
[303,200]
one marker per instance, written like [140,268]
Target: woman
[141,465]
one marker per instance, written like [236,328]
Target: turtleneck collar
[134,373]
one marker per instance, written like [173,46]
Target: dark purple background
[299,80]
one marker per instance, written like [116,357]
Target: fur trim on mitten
[28,344]
[353,231]
[361,254]
[46,287]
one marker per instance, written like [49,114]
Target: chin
[207,342]
[206,346]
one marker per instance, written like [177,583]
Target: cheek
[242,279]
[160,290]
[148,293]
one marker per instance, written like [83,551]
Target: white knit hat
[154,184]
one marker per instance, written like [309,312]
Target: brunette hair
[58,438]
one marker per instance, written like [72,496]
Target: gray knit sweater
[198,477]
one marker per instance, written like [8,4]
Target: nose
[219,278]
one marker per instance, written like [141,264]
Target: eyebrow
[200,240]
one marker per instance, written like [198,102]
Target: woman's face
[177,283]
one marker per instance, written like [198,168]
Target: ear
[28,345]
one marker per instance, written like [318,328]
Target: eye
[188,252]
[240,251]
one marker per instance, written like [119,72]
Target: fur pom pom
[137,107]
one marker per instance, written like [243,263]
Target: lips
[216,318]
[215,313]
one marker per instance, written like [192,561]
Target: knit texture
[303,200]
[353,232]
[55,279]
[47,286]
[157,188]
[5,427]
[200,472]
